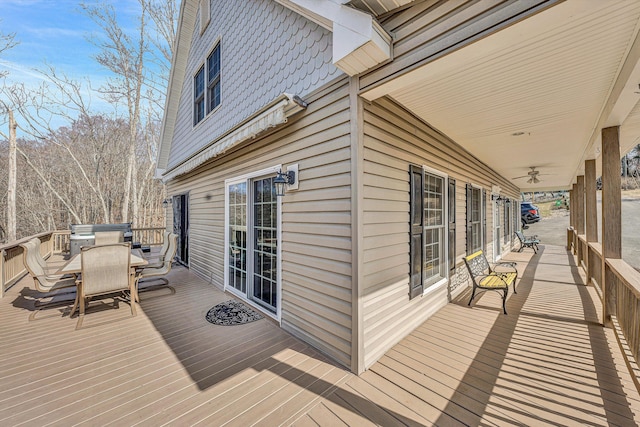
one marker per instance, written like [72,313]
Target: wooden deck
[548,362]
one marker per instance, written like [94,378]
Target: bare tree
[132,60]
[11,186]
[7,41]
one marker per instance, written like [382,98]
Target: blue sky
[55,33]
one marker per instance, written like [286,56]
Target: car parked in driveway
[529,213]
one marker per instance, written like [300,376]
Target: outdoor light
[282,180]
[166,202]
[497,198]
[508,202]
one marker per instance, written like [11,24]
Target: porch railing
[618,285]
[55,242]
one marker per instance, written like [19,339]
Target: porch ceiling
[555,79]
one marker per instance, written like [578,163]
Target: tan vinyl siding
[316,219]
[393,139]
[433,28]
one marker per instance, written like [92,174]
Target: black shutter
[452,224]
[484,220]
[416,230]
[469,218]
[507,215]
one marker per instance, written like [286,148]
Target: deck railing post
[574,223]
[580,215]
[3,281]
[591,214]
[611,215]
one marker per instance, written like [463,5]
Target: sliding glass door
[252,240]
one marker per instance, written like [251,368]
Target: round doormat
[231,313]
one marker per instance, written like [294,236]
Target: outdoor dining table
[74,265]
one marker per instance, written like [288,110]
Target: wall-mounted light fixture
[507,202]
[166,202]
[497,198]
[282,180]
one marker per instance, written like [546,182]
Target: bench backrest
[520,236]
[477,264]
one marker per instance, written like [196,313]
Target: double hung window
[213,79]
[428,240]
[198,96]
[207,86]
[476,219]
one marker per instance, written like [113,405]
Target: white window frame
[217,44]
[444,244]
[247,178]
[204,94]
[498,230]
[482,219]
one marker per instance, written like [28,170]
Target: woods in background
[99,166]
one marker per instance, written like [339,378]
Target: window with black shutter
[452,224]
[416,230]
[476,219]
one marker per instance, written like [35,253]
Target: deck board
[548,362]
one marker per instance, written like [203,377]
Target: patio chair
[108,237]
[159,261]
[43,282]
[48,269]
[528,242]
[105,270]
[149,274]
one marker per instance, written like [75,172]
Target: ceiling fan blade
[533,180]
[524,176]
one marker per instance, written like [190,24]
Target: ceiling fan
[532,175]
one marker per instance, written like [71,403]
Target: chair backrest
[168,259]
[108,237]
[30,257]
[165,246]
[38,256]
[105,268]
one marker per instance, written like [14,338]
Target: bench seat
[485,277]
[497,280]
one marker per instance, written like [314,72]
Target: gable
[266,50]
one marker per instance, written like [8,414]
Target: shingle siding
[266,50]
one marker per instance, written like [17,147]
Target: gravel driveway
[553,230]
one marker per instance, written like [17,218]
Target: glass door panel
[265,243]
[238,236]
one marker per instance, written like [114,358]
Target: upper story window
[198,96]
[211,97]
[213,79]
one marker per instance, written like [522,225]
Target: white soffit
[546,78]
[276,113]
[379,7]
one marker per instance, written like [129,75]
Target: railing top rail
[23,240]
[627,274]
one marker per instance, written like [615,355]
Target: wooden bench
[528,242]
[485,277]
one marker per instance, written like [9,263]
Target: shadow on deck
[548,362]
